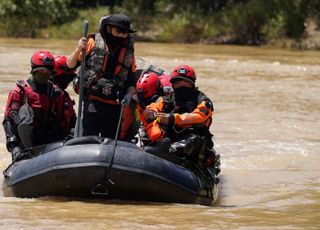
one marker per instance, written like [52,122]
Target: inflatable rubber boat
[92,167]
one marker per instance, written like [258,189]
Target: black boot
[212,160]
[164,145]
[187,147]
[180,149]
[16,153]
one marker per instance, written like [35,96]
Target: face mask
[183,93]
[115,41]
[41,77]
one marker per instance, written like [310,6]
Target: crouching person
[186,124]
[150,86]
[34,108]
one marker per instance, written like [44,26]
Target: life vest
[154,131]
[190,105]
[175,132]
[43,106]
[106,87]
[69,114]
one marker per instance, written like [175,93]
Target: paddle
[78,131]
[123,103]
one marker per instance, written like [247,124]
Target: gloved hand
[163,118]
[130,93]
[150,115]
[126,99]
[15,153]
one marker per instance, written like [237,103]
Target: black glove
[126,99]
[16,153]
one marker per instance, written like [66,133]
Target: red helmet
[63,75]
[61,65]
[147,85]
[166,84]
[183,72]
[42,59]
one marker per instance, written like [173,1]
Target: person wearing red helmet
[33,112]
[150,86]
[187,124]
[109,76]
[62,78]
[148,89]
[63,75]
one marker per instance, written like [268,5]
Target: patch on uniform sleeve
[107,90]
[14,105]
[92,108]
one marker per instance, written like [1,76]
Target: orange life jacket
[98,87]
[197,115]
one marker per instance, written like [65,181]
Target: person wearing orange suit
[187,124]
[150,86]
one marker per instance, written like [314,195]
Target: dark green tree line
[236,21]
[22,18]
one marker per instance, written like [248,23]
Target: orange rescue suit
[199,117]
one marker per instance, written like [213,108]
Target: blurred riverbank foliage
[206,21]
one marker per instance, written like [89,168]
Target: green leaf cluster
[24,18]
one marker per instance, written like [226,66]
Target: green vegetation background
[204,21]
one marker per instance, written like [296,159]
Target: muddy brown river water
[267,131]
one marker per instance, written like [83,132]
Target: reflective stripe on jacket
[200,115]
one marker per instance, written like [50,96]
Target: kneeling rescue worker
[187,123]
[34,110]
[150,86]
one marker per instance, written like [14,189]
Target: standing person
[109,76]
[62,78]
[187,123]
[33,112]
